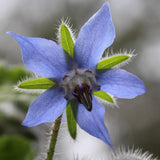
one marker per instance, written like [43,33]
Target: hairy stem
[54,136]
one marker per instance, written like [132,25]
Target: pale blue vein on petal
[43,57]
[46,108]
[94,37]
[120,83]
[93,122]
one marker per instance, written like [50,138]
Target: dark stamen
[83,93]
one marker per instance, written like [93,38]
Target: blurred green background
[135,123]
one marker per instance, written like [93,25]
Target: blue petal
[120,83]
[93,122]
[43,57]
[95,36]
[46,108]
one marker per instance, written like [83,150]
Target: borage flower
[78,75]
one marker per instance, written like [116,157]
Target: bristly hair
[106,103]
[34,76]
[43,140]
[109,53]
[131,154]
[66,22]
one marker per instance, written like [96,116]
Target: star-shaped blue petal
[95,36]
[46,108]
[93,122]
[120,83]
[43,57]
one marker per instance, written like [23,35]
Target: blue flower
[77,78]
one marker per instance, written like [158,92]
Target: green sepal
[112,61]
[103,95]
[41,83]
[71,122]
[66,40]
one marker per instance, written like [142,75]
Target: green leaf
[112,61]
[66,40]
[42,83]
[71,122]
[103,95]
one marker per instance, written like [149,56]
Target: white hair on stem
[44,140]
[44,136]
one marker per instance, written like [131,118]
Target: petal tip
[142,88]
[25,124]
[108,142]
[106,4]
[143,91]
[11,33]
[17,37]
[8,32]
[28,124]
[14,35]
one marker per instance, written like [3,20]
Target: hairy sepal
[71,122]
[41,83]
[112,61]
[66,40]
[66,37]
[104,96]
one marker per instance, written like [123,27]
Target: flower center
[80,84]
[83,93]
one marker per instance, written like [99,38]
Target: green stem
[54,136]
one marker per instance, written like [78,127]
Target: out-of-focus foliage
[9,77]
[15,139]
[11,74]
[15,147]
[11,125]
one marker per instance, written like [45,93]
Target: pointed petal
[95,36]
[120,83]
[46,108]
[93,122]
[43,57]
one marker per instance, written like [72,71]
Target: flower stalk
[54,136]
